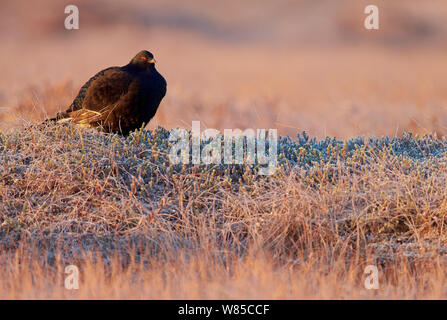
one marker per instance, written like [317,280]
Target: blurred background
[285,64]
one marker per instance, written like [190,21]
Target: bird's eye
[143,58]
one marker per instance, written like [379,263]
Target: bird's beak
[151,61]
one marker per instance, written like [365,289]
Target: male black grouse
[118,99]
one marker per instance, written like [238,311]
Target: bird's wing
[79,100]
[98,97]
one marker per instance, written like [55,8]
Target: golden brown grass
[199,277]
[138,227]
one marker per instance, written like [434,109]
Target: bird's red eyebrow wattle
[143,58]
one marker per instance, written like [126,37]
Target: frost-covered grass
[115,204]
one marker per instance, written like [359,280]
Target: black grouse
[118,99]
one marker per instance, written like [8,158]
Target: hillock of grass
[66,191]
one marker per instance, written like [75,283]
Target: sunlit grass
[139,227]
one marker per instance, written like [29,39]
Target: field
[362,157]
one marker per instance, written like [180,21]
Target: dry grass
[138,227]
[119,210]
[199,277]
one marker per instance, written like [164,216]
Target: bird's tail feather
[83,117]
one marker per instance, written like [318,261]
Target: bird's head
[144,59]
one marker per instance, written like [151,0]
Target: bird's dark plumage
[118,99]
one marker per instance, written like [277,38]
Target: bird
[118,99]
